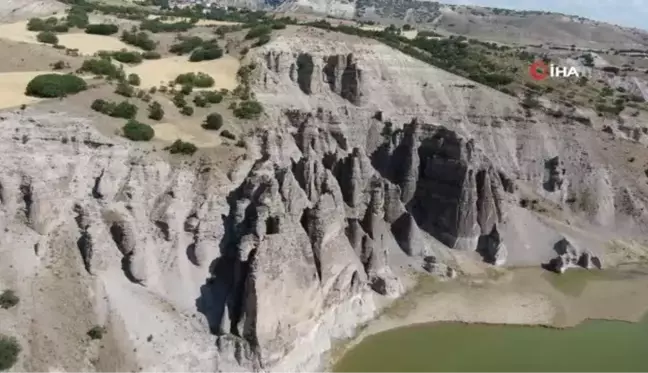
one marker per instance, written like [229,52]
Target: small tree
[8,299]
[214,121]
[200,101]
[187,110]
[155,111]
[213,97]
[9,351]
[47,37]
[134,79]
[137,131]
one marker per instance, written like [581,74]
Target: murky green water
[591,346]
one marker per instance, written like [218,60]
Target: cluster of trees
[55,85]
[103,67]
[102,29]
[47,37]
[123,109]
[199,80]
[51,24]
[201,50]
[138,131]
[182,147]
[156,26]
[139,39]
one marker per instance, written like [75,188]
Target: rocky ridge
[367,163]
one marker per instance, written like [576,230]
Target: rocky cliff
[366,164]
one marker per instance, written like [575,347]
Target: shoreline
[525,297]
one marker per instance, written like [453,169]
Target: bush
[124,110]
[61,28]
[125,56]
[96,332]
[47,37]
[257,31]
[150,55]
[179,100]
[263,39]
[155,111]
[137,131]
[37,24]
[124,89]
[134,79]
[186,45]
[248,109]
[156,26]
[9,351]
[214,121]
[8,299]
[99,105]
[206,54]
[55,85]
[102,67]
[213,97]
[228,135]
[200,80]
[77,17]
[181,147]
[102,29]
[187,110]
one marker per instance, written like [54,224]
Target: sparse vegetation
[258,31]
[156,26]
[137,131]
[9,351]
[55,85]
[182,147]
[201,50]
[59,65]
[214,121]
[8,299]
[155,111]
[102,29]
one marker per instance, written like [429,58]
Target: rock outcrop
[570,256]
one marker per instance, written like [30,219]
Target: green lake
[594,345]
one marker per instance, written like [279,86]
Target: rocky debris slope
[13,10]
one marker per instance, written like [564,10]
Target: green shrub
[102,67]
[77,17]
[125,89]
[37,24]
[206,54]
[134,79]
[150,55]
[213,97]
[8,299]
[187,110]
[155,111]
[263,39]
[228,135]
[47,37]
[59,65]
[179,100]
[96,332]
[137,131]
[102,29]
[186,45]
[200,101]
[156,26]
[257,31]
[61,28]
[181,147]
[139,39]
[248,109]
[124,110]
[99,105]
[214,121]
[9,351]
[125,56]
[200,80]
[55,85]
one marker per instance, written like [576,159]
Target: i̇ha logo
[539,70]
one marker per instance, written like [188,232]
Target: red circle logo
[539,70]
